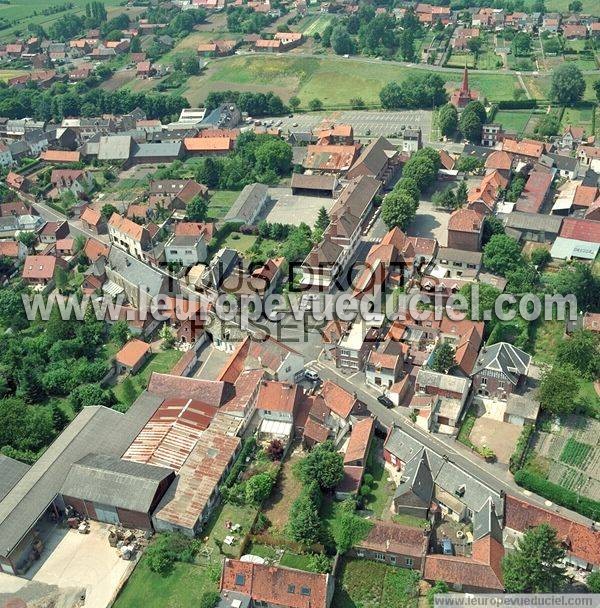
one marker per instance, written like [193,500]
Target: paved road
[417,66]
[75,226]
[490,474]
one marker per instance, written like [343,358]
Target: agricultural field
[333,80]
[20,13]
[6,75]
[571,455]
[315,24]
[459,60]
[371,584]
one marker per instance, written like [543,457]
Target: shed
[111,490]
[132,356]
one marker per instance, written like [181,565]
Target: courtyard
[288,208]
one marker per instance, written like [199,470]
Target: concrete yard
[290,209]
[501,437]
[70,562]
[366,123]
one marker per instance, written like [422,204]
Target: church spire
[465,82]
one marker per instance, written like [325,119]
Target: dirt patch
[501,437]
[118,79]
[288,488]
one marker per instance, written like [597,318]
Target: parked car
[312,376]
[385,401]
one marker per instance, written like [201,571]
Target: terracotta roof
[394,538]
[535,191]
[208,144]
[60,156]
[277,397]
[362,431]
[352,479]
[337,399]
[498,160]
[126,226]
[580,229]
[526,147]
[9,249]
[205,229]
[91,216]
[585,195]
[580,540]
[465,220]
[39,267]
[95,249]
[330,157]
[132,353]
[315,430]
[276,585]
[168,386]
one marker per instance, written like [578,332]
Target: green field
[316,24]
[19,13]
[575,452]
[580,116]
[514,121]
[333,80]
[221,202]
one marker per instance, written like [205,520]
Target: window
[409,562]
[240,579]
[291,588]
[392,559]
[379,556]
[484,381]
[501,384]
[304,590]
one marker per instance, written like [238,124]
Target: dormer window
[305,591]
[240,579]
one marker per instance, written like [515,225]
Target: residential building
[129,236]
[465,230]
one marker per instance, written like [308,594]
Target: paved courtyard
[71,562]
[366,123]
[501,437]
[290,209]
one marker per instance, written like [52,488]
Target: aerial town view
[299,303]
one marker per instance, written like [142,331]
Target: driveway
[72,562]
[288,208]
[499,436]
[430,222]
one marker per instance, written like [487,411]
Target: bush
[209,599]
[561,496]
[517,104]
[168,549]
[516,459]
[240,464]
[261,524]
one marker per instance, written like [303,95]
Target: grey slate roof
[446,382]
[485,521]
[104,478]
[11,471]
[563,163]
[95,429]
[115,147]
[136,272]
[376,155]
[521,220]
[446,475]
[459,255]
[503,358]
[251,198]
[522,405]
[417,485]
[158,150]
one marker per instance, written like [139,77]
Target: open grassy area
[240,242]
[22,12]
[6,75]
[513,121]
[368,584]
[220,203]
[333,80]
[409,520]
[182,588]
[546,337]
[382,490]
[316,24]
[161,362]
[580,116]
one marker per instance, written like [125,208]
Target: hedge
[557,494]
[516,459]
[517,104]
[240,463]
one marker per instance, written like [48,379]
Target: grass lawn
[383,490]
[580,116]
[459,60]
[333,80]
[161,362]
[368,584]
[221,202]
[513,120]
[241,242]
[546,337]
[409,520]
[182,588]
[489,61]
[277,506]
[7,74]
[316,24]
[293,560]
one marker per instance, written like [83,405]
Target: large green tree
[502,254]
[442,358]
[582,352]
[448,120]
[559,388]
[535,566]
[323,465]
[398,210]
[568,84]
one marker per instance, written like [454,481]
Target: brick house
[93,221]
[40,269]
[465,230]
[500,370]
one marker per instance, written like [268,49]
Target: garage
[115,491]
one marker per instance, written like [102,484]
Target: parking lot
[290,209]
[366,123]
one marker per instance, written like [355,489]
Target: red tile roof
[360,438]
[60,156]
[394,538]
[582,230]
[580,540]
[315,430]
[276,585]
[277,397]
[91,216]
[465,220]
[169,386]
[132,353]
[585,195]
[535,191]
[208,144]
[126,226]
[337,399]
[10,249]
[95,249]
[39,267]
[526,147]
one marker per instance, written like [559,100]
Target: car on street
[310,375]
[386,401]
